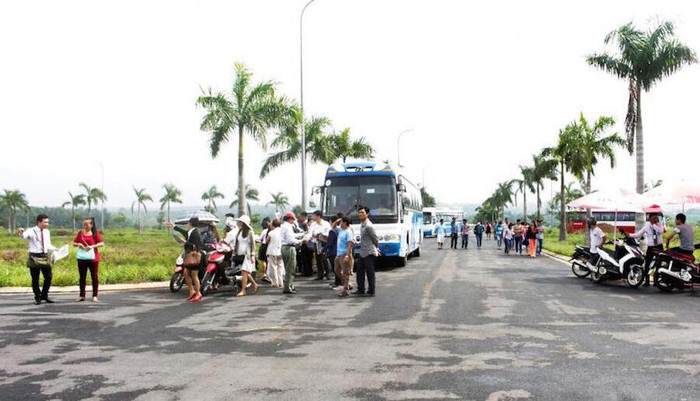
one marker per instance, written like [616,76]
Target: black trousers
[46,272]
[453,240]
[322,267]
[366,266]
[648,258]
[304,261]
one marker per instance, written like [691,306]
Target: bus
[623,219]
[432,215]
[395,205]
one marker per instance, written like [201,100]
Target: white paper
[59,254]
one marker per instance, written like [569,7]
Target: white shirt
[274,247]
[263,236]
[317,229]
[508,233]
[648,231]
[596,239]
[244,245]
[288,235]
[231,237]
[33,235]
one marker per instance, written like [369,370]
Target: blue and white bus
[432,216]
[395,205]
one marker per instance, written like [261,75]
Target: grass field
[126,258]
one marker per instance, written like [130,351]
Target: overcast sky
[482,85]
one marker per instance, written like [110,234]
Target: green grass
[126,258]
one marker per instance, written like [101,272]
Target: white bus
[432,216]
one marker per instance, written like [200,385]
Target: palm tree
[570,159]
[92,195]
[74,202]
[318,143]
[141,198]
[249,108]
[171,195]
[279,201]
[210,196]
[644,59]
[594,147]
[570,194]
[250,194]
[652,184]
[524,185]
[13,201]
[543,168]
[344,146]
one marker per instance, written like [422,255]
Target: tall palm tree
[13,201]
[570,159]
[141,198]
[594,147]
[570,194]
[318,144]
[92,196]
[543,168]
[344,146]
[74,202]
[171,195]
[644,59]
[523,185]
[279,201]
[250,194]
[251,109]
[211,195]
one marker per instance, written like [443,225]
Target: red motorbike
[673,270]
[221,270]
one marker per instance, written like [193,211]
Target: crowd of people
[287,246]
[511,237]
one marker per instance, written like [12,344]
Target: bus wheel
[416,253]
[401,261]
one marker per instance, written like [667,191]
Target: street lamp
[301,85]
[398,144]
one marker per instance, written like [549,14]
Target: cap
[290,215]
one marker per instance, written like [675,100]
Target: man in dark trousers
[369,250]
[39,260]
[305,253]
[454,233]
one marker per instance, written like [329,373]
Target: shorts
[441,238]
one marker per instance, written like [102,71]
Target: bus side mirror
[315,191]
[312,204]
[401,187]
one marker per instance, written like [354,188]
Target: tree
[543,168]
[251,109]
[644,59]
[92,195]
[171,195]
[345,147]
[141,198]
[652,184]
[250,194]
[570,194]
[13,201]
[279,201]
[570,159]
[318,143]
[74,202]
[427,199]
[523,185]
[210,196]
[594,147]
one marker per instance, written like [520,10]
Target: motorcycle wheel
[236,288]
[579,271]
[662,284]
[596,277]
[176,282]
[205,284]
[635,276]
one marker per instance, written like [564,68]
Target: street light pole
[398,144]
[301,85]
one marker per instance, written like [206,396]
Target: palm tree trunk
[639,149]
[72,212]
[562,223]
[589,213]
[525,205]
[90,209]
[539,203]
[139,211]
[169,216]
[241,183]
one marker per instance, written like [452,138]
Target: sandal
[80,299]
[196,299]
[241,294]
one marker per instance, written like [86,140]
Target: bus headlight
[390,238]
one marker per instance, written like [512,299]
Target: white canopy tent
[617,199]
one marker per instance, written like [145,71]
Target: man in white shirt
[290,240]
[652,233]
[597,240]
[39,240]
[319,229]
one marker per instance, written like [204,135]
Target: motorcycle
[221,256]
[178,277]
[674,270]
[579,260]
[625,262]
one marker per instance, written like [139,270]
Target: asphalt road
[453,324]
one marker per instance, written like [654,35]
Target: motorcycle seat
[682,256]
[608,251]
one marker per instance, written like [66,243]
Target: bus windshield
[345,194]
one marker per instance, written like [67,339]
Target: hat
[245,220]
[290,215]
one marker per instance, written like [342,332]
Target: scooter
[579,260]
[178,277]
[673,270]
[626,263]
[221,257]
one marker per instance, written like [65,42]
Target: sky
[93,86]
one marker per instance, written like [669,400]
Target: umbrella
[674,194]
[204,217]
[612,199]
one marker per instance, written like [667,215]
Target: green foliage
[210,196]
[12,202]
[279,201]
[126,258]
[92,196]
[428,200]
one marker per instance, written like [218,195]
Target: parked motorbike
[579,261]
[178,277]
[221,257]
[625,262]
[673,270]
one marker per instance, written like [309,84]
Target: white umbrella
[674,194]
[612,199]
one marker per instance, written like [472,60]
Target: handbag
[82,254]
[192,259]
[41,261]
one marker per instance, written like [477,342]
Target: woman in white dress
[245,250]
[275,265]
